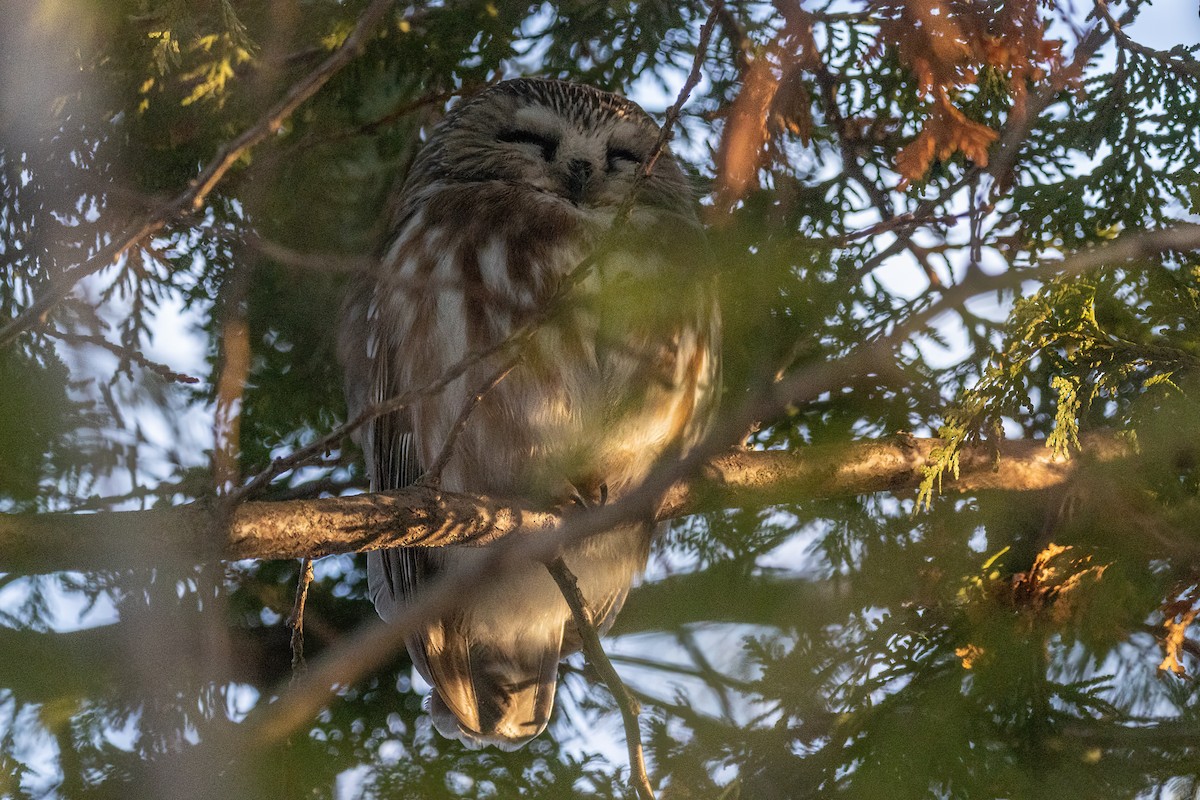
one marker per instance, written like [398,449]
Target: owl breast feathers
[510,195]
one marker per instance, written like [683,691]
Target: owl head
[576,143]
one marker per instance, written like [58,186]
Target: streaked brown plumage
[511,192]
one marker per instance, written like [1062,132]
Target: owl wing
[396,574]
[388,445]
[484,691]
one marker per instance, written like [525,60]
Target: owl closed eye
[560,142]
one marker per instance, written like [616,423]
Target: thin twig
[669,122]
[433,476]
[627,705]
[909,222]
[1175,60]
[192,198]
[685,92]
[295,620]
[126,354]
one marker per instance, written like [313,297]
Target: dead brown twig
[433,475]
[295,620]
[596,656]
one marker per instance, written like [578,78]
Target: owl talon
[575,497]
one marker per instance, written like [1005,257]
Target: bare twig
[433,475]
[124,353]
[295,620]
[669,122]
[693,78]
[192,198]
[909,222]
[594,651]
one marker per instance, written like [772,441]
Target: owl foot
[600,498]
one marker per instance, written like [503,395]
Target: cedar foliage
[858,161]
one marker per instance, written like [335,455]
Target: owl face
[572,142]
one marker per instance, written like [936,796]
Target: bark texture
[425,517]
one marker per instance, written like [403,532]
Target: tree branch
[569,586]
[421,517]
[424,517]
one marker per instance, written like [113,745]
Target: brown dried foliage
[946,44]
[1052,588]
[1052,592]
[1179,616]
[774,98]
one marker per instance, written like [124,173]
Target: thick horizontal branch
[422,516]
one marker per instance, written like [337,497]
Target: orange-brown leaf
[946,131]
[1176,627]
[745,135]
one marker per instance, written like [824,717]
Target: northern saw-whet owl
[508,196]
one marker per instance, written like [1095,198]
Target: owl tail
[494,693]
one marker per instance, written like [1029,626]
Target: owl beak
[579,175]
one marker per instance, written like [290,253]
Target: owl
[507,198]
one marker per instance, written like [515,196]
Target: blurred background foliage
[1002,644]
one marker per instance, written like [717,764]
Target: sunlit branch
[421,516]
